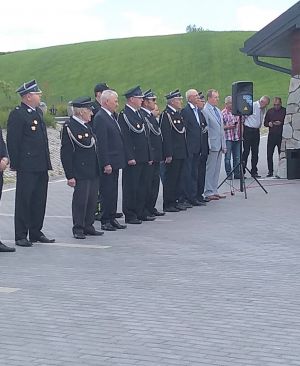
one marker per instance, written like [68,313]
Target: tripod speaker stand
[240,167]
[242,105]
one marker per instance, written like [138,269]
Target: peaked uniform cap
[174,94]
[149,94]
[29,87]
[82,102]
[101,87]
[134,92]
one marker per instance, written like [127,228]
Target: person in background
[174,150]
[149,115]
[251,133]
[111,155]
[274,120]
[232,137]
[28,151]
[3,165]
[204,150]
[80,162]
[217,145]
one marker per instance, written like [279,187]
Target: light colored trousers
[213,167]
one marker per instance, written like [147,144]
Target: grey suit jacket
[216,136]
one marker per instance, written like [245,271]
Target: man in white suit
[216,143]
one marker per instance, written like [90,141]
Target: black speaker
[242,98]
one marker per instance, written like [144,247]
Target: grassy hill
[200,60]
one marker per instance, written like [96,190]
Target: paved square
[213,286]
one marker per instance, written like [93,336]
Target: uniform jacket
[79,162]
[193,130]
[216,136]
[173,133]
[27,140]
[155,135]
[136,136]
[111,149]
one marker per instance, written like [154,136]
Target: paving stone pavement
[212,286]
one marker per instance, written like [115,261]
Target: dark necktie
[217,115]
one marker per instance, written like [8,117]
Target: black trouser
[83,204]
[251,142]
[201,175]
[189,178]
[273,141]
[30,204]
[153,187]
[134,184]
[109,190]
[172,182]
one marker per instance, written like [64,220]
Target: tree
[193,28]
[6,88]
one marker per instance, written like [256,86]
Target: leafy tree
[193,28]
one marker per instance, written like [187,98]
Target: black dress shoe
[269,175]
[118,215]
[158,213]
[79,236]
[42,239]
[133,221]
[147,218]
[115,223]
[108,227]
[171,209]
[4,248]
[181,206]
[195,203]
[24,243]
[93,232]
[255,175]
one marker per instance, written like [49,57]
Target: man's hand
[270,124]
[3,164]
[71,182]
[131,162]
[168,159]
[277,123]
[107,169]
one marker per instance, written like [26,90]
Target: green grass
[200,60]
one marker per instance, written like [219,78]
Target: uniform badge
[35,122]
[33,128]
[80,137]
[178,121]
[29,110]
[175,121]
[138,126]
[86,135]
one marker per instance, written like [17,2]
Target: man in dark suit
[138,157]
[112,158]
[174,150]
[27,144]
[149,105]
[204,150]
[192,120]
[3,166]
[80,162]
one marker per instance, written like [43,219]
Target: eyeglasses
[277,104]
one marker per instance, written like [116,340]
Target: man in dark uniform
[204,150]
[112,158]
[191,116]
[27,144]
[138,157]
[148,105]
[3,166]
[98,90]
[81,166]
[174,150]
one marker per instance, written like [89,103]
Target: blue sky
[46,23]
